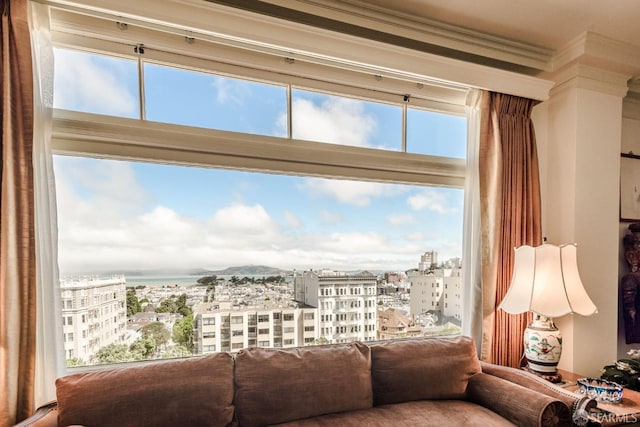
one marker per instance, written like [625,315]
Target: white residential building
[94,314]
[438,291]
[227,329]
[346,303]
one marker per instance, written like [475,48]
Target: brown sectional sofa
[411,382]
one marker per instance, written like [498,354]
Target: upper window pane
[346,121]
[94,83]
[191,98]
[436,134]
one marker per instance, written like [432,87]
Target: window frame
[95,135]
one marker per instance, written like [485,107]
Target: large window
[191,193]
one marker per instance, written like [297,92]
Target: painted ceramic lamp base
[543,347]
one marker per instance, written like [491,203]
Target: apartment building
[346,303]
[427,260]
[438,291]
[219,328]
[94,314]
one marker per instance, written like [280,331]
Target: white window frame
[85,134]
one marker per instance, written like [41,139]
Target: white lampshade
[546,281]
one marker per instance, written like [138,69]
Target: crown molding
[602,52]
[592,61]
[634,90]
[631,108]
[358,13]
[582,76]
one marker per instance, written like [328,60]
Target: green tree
[74,361]
[156,331]
[167,305]
[174,304]
[211,292]
[143,348]
[133,304]
[162,309]
[183,332]
[176,351]
[321,341]
[114,353]
[208,280]
[182,307]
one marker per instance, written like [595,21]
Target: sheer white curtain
[50,362]
[471,256]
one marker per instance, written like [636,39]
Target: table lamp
[546,281]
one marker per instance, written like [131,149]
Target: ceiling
[546,23]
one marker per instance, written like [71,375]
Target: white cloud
[243,220]
[356,193]
[292,219]
[432,199]
[232,91]
[349,243]
[401,219]
[329,217]
[83,85]
[109,185]
[337,120]
[174,226]
[415,237]
[108,222]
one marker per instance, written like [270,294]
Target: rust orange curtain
[17,238]
[510,215]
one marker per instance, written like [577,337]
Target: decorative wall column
[579,136]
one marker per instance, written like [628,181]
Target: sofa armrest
[531,381]
[516,403]
[45,416]
[576,402]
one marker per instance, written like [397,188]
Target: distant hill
[249,270]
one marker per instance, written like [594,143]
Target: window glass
[436,134]
[94,83]
[346,121]
[192,245]
[191,98]
[168,261]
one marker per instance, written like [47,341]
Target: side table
[626,412]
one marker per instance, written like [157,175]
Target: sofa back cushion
[279,385]
[422,368]
[190,392]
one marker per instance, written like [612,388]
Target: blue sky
[117,215]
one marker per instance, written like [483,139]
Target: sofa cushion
[422,368]
[279,385]
[416,413]
[196,392]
